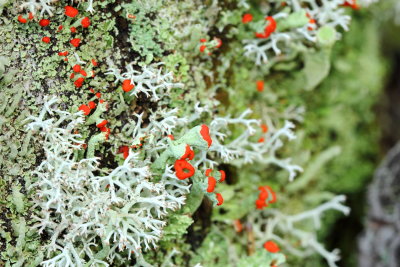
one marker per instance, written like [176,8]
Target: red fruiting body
[271,27]
[72,29]
[124,150]
[268,190]
[46,39]
[21,19]
[44,22]
[223,175]
[75,42]
[266,195]
[203,40]
[271,246]
[352,4]
[101,101]
[72,75]
[247,18]
[94,62]
[127,85]
[189,153]
[76,68]
[83,73]
[78,83]
[261,140]
[211,184]
[260,204]
[220,199]
[85,109]
[205,133]
[30,15]
[106,130]
[70,11]
[260,86]
[264,128]
[261,35]
[208,171]
[102,124]
[85,22]
[92,105]
[263,193]
[202,48]
[170,136]
[183,169]
[98,95]
[63,53]
[60,28]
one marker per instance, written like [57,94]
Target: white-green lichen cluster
[119,201]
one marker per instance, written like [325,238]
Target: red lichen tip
[269,29]
[22,19]
[94,63]
[260,204]
[75,42]
[247,18]
[92,105]
[76,68]
[266,195]
[189,153]
[83,73]
[183,169]
[202,40]
[85,109]
[264,128]
[271,246]
[260,86]
[124,150]
[79,82]
[170,136]
[208,171]
[63,53]
[44,22]
[106,130]
[46,39]
[60,28]
[261,140]
[127,85]
[102,124]
[70,11]
[223,175]
[72,29]
[271,26]
[205,133]
[85,22]
[220,199]
[202,48]
[98,95]
[30,16]
[352,3]
[211,184]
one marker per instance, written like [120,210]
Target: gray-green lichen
[324,78]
